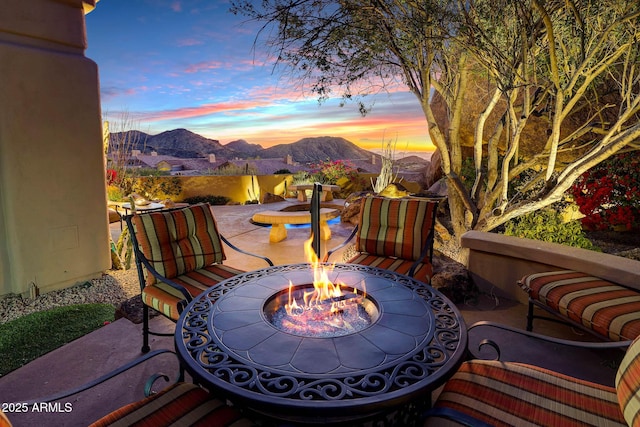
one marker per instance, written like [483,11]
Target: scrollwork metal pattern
[417,369]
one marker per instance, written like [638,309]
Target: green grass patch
[29,337]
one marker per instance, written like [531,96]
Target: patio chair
[178,254]
[395,234]
[180,403]
[497,393]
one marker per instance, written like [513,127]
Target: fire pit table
[232,339]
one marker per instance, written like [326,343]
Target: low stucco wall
[240,188]
[497,262]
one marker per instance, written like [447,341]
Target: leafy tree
[555,84]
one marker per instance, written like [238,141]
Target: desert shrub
[302,177]
[211,199]
[328,172]
[157,187]
[232,169]
[547,225]
[115,193]
[282,172]
[608,193]
[150,172]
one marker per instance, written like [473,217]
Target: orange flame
[326,296]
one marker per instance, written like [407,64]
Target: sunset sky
[168,64]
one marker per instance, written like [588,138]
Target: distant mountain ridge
[186,144]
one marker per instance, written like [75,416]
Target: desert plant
[115,193]
[547,225]
[608,194]
[330,171]
[119,142]
[231,169]
[301,178]
[386,175]
[282,172]
[157,187]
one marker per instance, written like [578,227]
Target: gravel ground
[115,287]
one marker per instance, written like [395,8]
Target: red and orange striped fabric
[397,228]
[610,310]
[421,272]
[628,384]
[514,394]
[397,235]
[165,299]
[181,404]
[180,241]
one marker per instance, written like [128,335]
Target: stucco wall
[497,262]
[53,224]
[239,189]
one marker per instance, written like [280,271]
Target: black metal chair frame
[147,388]
[141,261]
[554,317]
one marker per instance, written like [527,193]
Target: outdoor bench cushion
[608,309]
[515,394]
[181,404]
[422,271]
[166,299]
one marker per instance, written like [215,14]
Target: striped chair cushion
[182,404]
[4,421]
[397,228]
[628,384]
[177,242]
[515,394]
[610,310]
[422,271]
[165,299]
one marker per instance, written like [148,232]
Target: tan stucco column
[53,223]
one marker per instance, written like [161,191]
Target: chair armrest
[140,257]
[110,375]
[237,249]
[341,245]
[559,341]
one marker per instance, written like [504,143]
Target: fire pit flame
[324,309]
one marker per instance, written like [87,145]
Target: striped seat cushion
[610,310]
[165,299]
[177,242]
[514,394]
[628,384]
[422,271]
[182,404]
[399,228]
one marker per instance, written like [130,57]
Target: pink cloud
[176,6]
[189,42]
[203,110]
[201,66]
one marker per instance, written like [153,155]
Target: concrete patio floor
[119,342]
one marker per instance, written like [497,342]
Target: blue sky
[168,64]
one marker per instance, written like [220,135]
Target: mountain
[186,144]
[317,149]
[244,149]
[177,143]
